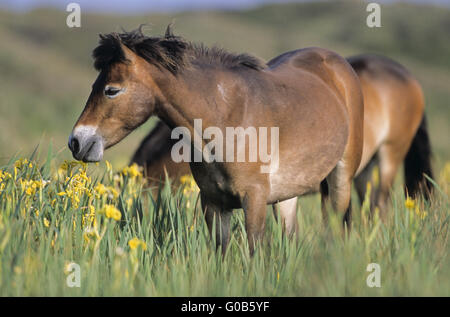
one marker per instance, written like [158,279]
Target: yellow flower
[101,189]
[88,219]
[189,185]
[112,192]
[52,243]
[185,179]
[376,176]
[46,222]
[135,243]
[132,171]
[129,202]
[116,215]
[4,176]
[86,237]
[77,186]
[410,203]
[368,186]
[31,186]
[30,191]
[64,166]
[111,211]
[108,166]
[90,232]
[20,163]
[420,214]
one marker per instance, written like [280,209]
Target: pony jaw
[86,144]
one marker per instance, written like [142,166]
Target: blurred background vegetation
[46,68]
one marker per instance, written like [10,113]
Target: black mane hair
[169,51]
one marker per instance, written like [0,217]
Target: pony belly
[284,185]
[300,173]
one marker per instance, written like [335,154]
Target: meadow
[128,242]
[131,240]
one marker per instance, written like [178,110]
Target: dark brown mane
[169,51]
[219,56]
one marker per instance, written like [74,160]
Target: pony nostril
[74,145]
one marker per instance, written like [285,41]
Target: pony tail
[418,163]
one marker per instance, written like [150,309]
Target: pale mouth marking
[83,156]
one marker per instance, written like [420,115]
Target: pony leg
[338,193]
[391,157]
[288,214]
[324,200]
[418,163]
[217,220]
[254,205]
[365,177]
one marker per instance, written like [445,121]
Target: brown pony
[395,131]
[312,96]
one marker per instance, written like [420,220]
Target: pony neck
[196,93]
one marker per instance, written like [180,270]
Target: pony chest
[215,183]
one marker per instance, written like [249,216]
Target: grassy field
[128,244]
[54,212]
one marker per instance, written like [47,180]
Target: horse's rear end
[339,78]
[394,129]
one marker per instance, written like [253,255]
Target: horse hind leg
[336,192]
[287,210]
[391,157]
[325,200]
[369,175]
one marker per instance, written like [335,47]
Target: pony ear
[169,33]
[127,53]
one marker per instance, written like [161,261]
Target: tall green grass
[42,230]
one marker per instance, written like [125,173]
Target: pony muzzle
[86,144]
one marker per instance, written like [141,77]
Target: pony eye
[111,91]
